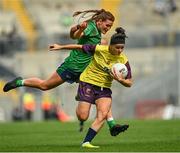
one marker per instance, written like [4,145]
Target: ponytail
[96,14]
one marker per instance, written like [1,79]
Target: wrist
[120,80]
[80,28]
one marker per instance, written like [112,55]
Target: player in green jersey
[88,32]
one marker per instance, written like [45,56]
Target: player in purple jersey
[96,80]
[88,32]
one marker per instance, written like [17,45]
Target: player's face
[117,49]
[104,26]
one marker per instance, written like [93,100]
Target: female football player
[88,32]
[96,79]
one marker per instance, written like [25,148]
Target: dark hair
[97,15]
[119,37]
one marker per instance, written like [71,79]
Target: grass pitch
[53,136]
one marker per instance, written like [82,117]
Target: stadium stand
[53,25]
[152,46]
[6,74]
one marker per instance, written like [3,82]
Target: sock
[90,135]
[81,123]
[20,83]
[111,122]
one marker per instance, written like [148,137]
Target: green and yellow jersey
[96,73]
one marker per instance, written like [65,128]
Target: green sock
[111,122]
[20,83]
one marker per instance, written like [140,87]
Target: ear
[99,22]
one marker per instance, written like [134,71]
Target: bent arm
[126,82]
[76,32]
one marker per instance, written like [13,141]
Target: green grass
[142,136]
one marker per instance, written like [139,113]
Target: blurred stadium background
[27,27]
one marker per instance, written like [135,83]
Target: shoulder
[102,48]
[124,57]
[91,27]
[91,23]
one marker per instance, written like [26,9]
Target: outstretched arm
[87,48]
[56,47]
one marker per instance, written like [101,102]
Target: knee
[44,86]
[103,115]
[82,116]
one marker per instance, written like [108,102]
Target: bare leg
[82,112]
[109,115]
[54,81]
[103,106]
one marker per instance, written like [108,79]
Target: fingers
[83,25]
[114,73]
[51,47]
[117,76]
[54,47]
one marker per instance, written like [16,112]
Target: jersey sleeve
[129,75]
[89,49]
[90,30]
[101,48]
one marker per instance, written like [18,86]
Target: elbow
[72,36]
[76,37]
[129,83]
